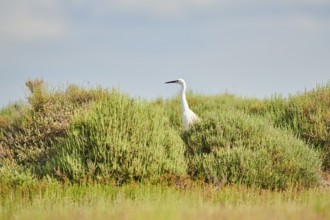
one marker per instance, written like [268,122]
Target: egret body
[188,116]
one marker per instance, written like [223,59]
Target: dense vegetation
[118,139]
[237,148]
[95,135]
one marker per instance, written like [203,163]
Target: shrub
[234,147]
[119,139]
[100,135]
[12,175]
[28,131]
[306,114]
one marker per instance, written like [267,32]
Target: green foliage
[96,135]
[306,114]
[204,105]
[234,147]
[13,175]
[119,139]
[27,132]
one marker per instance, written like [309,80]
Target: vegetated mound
[234,147]
[308,115]
[29,130]
[119,139]
[101,135]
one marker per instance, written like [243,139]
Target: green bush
[307,114]
[29,130]
[234,147]
[119,139]
[99,135]
[12,174]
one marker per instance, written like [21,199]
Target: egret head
[178,81]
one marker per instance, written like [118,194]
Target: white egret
[188,116]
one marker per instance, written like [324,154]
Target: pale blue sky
[249,48]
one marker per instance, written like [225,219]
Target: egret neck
[184,103]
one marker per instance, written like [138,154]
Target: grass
[162,202]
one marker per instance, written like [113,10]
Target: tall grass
[58,201]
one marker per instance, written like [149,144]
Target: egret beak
[174,81]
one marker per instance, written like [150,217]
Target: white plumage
[188,116]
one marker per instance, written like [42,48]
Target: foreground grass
[56,201]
